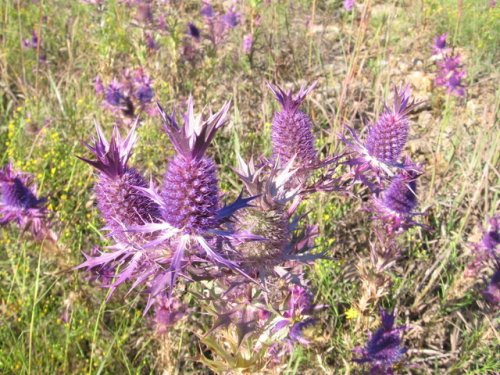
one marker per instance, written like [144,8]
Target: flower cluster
[19,204]
[450,68]
[129,95]
[378,162]
[249,255]
[383,349]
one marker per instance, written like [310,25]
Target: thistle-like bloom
[383,348]
[120,203]
[440,46]
[349,4]
[192,218]
[486,251]
[168,311]
[193,31]
[386,138]
[451,73]
[247,43]
[291,132]
[267,217]
[297,317]
[132,93]
[231,18]
[395,205]
[492,292]
[20,205]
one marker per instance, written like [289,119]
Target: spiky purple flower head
[492,292]
[349,4]
[193,31]
[247,43]
[119,202]
[450,73]
[231,18]
[386,138]
[440,45]
[383,348]
[207,10]
[190,189]
[132,92]
[395,205]
[488,249]
[20,205]
[191,216]
[291,131]
[168,311]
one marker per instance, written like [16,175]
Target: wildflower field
[225,187]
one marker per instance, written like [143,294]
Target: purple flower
[395,205]
[291,132]
[151,43]
[439,46]
[492,292]
[207,10]
[386,138]
[488,249]
[231,18]
[191,221]
[116,189]
[349,4]
[296,317]
[247,43]
[450,74]
[383,348]
[193,31]
[31,43]
[168,311]
[114,94]
[20,205]
[131,93]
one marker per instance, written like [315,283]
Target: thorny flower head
[122,205]
[386,138]
[168,311]
[488,249]
[119,202]
[383,348]
[450,68]
[349,4]
[292,138]
[395,205]
[20,205]
[132,93]
[492,292]
[440,46]
[191,217]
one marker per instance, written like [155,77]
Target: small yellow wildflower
[351,313]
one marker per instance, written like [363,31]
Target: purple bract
[20,205]
[383,348]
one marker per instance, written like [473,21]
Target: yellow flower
[351,313]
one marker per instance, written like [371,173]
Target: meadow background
[54,321]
